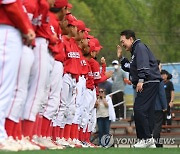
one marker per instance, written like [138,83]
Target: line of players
[52,102]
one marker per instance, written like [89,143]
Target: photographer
[105,113]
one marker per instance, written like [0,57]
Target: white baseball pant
[10,54]
[52,105]
[92,121]
[81,87]
[89,99]
[38,79]
[67,104]
[14,112]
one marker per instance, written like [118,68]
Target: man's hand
[119,51]
[171,104]
[29,37]
[109,74]
[103,60]
[164,110]
[126,81]
[139,87]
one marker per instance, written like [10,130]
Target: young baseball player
[94,77]
[72,70]
[12,15]
[40,70]
[81,85]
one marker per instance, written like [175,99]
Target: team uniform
[72,70]
[81,86]
[10,51]
[89,98]
[14,112]
[98,78]
[40,69]
[54,89]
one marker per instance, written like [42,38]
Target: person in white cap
[119,81]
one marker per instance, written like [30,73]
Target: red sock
[45,126]
[77,133]
[61,132]
[57,131]
[17,134]
[39,125]
[9,126]
[81,134]
[87,136]
[35,129]
[74,129]
[27,127]
[49,131]
[67,130]
[54,133]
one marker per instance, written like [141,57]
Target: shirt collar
[134,44]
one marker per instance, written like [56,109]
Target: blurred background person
[169,90]
[105,113]
[107,85]
[119,81]
[160,108]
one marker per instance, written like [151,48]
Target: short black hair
[158,61]
[164,72]
[55,10]
[128,34]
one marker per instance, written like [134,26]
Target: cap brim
[74,23]
[97,49]
[69,6]
[87,29]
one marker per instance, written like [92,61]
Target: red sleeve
[103,71]
[102,79]
[17,16]
[98,78]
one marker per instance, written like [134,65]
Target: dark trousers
[117,98]
[144,110]
[103,127]
[158,126]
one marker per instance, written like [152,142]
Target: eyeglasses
[101,91]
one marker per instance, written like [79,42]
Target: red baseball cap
[98,47]
[71,19]
[82,26]
[87,36]
[62,3]
[91,46]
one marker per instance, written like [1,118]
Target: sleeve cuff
[141,80]
[121,59]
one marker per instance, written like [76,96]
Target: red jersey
[98,77]
[73,55]
[84,65]
[43,26]
[13,14]
[89,77]
[31,8]
[58,48]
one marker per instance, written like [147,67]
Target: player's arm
[17,16]
[103,64]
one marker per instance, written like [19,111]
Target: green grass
[103,151]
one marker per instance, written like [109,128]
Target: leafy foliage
[155,23]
